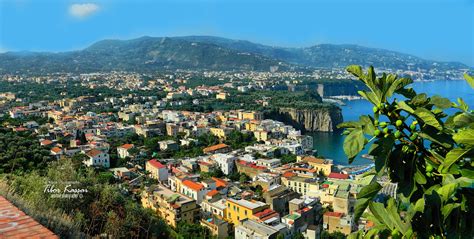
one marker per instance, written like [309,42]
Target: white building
[225,162]
[97,158]
[123,151]
[250,229]
[194,190]
[269,163]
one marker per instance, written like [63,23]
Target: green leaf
[467,173]
[437,156]
[453,156]
[469,79]
[370,96]
[367,124]
[355,70]
[349,124]
[440,102]
[420,99]
[465,137]
[447,209]
[419,177]
[389,216]
[427,117]
[360,206]
[419,205]
[354,143]
[404,106]
[462,105]
[465,182]
[381,150]
[407,92]
[446,191]
[463,120]
[396,84]
[435,136]
[370,190]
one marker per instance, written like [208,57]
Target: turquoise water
[330,145]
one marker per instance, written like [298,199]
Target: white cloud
[82,10]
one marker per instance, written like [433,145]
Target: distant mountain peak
[149,53]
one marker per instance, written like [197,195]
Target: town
[233,172]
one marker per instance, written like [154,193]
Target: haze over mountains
[148,54]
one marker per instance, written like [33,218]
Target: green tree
[243,178]
[425,145]
[332,235]
[188,230]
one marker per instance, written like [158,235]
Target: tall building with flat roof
[171,206]
[241,209]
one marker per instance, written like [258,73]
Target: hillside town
[233,172]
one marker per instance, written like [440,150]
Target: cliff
[309,120]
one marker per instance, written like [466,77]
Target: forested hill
[147,54]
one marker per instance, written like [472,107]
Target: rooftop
[247,204]
[19,225]
[155,163]
[193,185]
[215,147]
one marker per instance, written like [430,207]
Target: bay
[330,145]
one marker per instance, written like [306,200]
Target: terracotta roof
[251,165]
[265,214]
[93,152]
[46,142]
[212,193]
[193,185]
[220,182]
[215,147]
[333,214]
[56,150]
[289,174]
[313,159]
[156,164]
[127,146]
[338,176]
[16,224]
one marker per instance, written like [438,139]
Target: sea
[330,145]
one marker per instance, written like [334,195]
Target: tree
[244,178]
[298,236]
[425,145]
[192,230]
[332,235]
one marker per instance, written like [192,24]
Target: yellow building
[170,206]
[320,165]
[261,135]
[221,96]
[221,133]
[252,115]
[301,185]
[238,210]
[251,126]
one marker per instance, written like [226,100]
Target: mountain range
[147,54]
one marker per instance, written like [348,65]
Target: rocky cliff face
[310,120]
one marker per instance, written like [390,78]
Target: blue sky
[432,29]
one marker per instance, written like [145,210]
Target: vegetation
[21,152]
[425,145]
[165,53]
[287,158]
[102,209]
[333,235]
[187,230]
[238,140]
